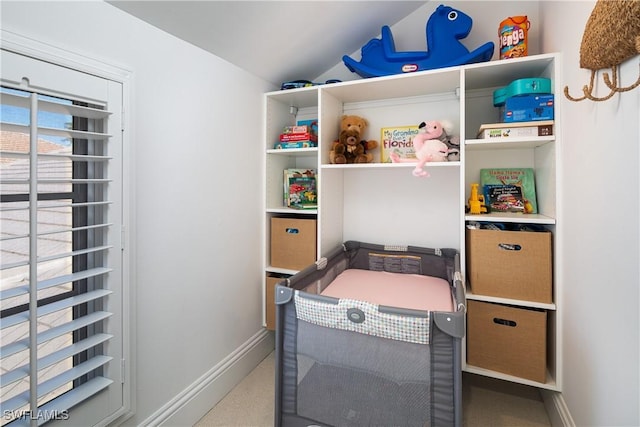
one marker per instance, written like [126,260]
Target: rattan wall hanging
[611,37]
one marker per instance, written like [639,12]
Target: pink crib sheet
[413,291]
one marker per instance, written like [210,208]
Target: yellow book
[399,140]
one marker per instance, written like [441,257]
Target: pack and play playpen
[370,335]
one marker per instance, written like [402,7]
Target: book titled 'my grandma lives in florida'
[521,180]
[399,140]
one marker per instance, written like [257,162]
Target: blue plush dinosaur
[445,27]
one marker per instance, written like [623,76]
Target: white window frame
[44,52]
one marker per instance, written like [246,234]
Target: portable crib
[345,357]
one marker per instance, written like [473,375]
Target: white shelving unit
[385,203]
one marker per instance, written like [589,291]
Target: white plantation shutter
[61,210]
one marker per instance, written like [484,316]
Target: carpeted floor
[486,402]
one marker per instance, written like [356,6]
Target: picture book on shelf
[504,198]
[300,189]
[399,140]
[509,188]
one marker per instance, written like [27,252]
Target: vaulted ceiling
[275,40]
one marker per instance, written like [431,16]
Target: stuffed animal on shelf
[355,127]
[453,142]
[427,150]
[443,130]
[433,143]
[348,148]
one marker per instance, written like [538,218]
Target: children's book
[399,140]
[300,189]
[504,198]
[301,136]
[500,182]
[311,124]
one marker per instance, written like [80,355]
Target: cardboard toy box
[270,296]
[293,242]
[510,264]
[507,339]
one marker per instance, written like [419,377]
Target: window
[61,268]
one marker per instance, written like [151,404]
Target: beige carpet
[486,402]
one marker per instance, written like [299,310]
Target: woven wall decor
[611,37]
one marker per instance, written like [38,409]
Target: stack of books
[298,136]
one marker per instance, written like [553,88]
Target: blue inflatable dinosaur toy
[445,27]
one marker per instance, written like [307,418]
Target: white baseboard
[557,409]
[202,395]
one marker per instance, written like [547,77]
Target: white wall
[194,123]
[602,233]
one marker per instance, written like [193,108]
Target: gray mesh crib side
[326,376]
[331,377]
[433,262]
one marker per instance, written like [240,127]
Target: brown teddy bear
[349,148]
[351,145]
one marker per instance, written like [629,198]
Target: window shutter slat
[57,256]
[54,107]
[54,281]
[73,301]
[71,398]
[73,349]
[76,157]
[73,181]
[72,326]
[23,317]
[49,334]
[86,251]
[50,232]
[64,133]
[23,371]
[15,403]
[73,373]
[59,205]
[73,133]
[14,375]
